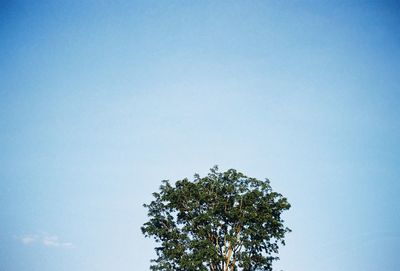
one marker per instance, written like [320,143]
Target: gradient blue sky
[100,101]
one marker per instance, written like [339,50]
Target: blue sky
[100,101]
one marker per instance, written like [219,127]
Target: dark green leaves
[224,221]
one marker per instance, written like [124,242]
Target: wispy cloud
[44,239]
[27,239]
[54,241]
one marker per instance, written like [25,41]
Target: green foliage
[225,221]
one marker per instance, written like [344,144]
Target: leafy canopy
[225,221]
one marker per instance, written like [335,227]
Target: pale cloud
[44,239]
[54,241]
[27,239]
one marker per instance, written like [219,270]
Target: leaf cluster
[224,221]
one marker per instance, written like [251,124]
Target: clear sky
[101,100]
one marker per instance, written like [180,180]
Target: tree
[225,221]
